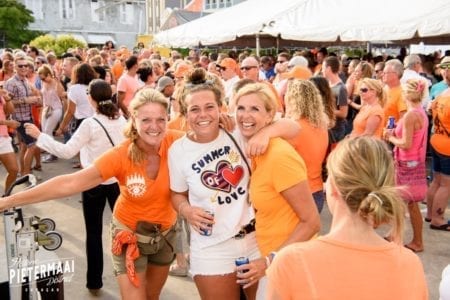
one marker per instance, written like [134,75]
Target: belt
[140,238]
[249,228]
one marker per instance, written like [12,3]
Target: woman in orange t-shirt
[370,119]
[353,261]
[304,104]
[439,190]
[143,210]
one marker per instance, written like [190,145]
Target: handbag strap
[240,150]
[107,134]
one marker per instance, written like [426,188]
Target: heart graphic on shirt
[233,176]
[223,177]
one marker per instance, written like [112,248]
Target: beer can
[241,261]
[391,122]
[207,231]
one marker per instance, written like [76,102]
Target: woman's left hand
[254,271]
[257,144]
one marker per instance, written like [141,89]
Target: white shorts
[5,145]
[219,259]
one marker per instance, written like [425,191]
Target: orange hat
[299,72]
[182,69]
[228,63]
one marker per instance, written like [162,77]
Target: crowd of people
[237,155]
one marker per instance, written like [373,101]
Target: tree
[14,21]
[59,45]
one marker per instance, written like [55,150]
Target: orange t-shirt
[329,269]
[117,69]
[395,104]
[439,139]
[278,169]
[312,143]
[360,121]
[141,198]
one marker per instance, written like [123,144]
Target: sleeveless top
[50,96]
[418,147]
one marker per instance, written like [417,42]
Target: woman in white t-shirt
[208,167]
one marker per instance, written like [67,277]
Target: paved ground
[67,213]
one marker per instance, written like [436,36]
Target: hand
[387,133]
[12,123]
[257,144]
[32,130]
[227,122]
[59,132]
[197,217]
[254,271]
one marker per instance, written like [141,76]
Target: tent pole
[257,44]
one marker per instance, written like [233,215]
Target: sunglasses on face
[22,66]
[220,69]
[378,71]
[363,90]
[248,68]
[281,61]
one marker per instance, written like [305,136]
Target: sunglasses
[248,68]
[220,69]
[445,67]
[363,90]
[22,66]
[281,61]
[378,71]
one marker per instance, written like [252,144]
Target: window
[67,9]
[126,13]
[98,11]
[36,7]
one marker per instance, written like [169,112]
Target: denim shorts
[441,162]
[25,138]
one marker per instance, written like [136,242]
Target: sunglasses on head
[248,68]
[363,90]
[22,66]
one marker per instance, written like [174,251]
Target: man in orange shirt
[395,104]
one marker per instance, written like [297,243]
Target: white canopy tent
[315,20]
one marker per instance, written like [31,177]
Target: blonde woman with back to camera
[353,261]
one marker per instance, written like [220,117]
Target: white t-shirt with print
[216,177]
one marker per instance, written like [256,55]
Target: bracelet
[181,206]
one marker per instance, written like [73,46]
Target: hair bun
[196,76]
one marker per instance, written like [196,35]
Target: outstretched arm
[55,188]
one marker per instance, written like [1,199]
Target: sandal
[427,219]
[176,270]
[76,166]
[37,168]
[412,249]
[443,227]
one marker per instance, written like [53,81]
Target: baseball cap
[163,82]
[445,63]
[182,69]
[228,63]
[299,72]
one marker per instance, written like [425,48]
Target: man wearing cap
[441,86]
[413,66]
[228,71]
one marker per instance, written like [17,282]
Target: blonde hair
[45,70]
[303,100]
[263,92]
[377,86]
[362,170]
[142,97]
[413,90]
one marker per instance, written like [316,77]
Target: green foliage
[59,45]
[14,21]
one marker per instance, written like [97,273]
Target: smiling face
[203,115]
[252,115]
[150,122]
